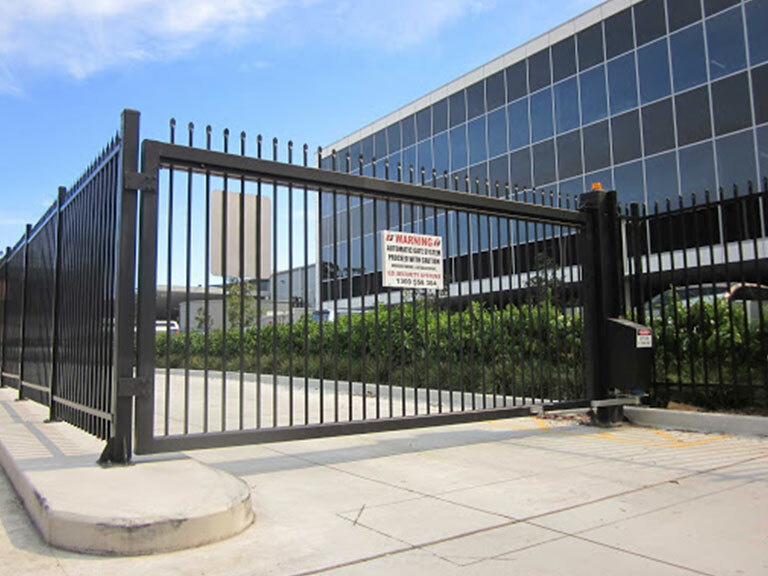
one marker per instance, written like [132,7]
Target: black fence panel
[696,271]
[14,295]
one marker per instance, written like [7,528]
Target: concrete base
[698,421]
[148,507]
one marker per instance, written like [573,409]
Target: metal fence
[697,272]
[159,290]
[61,295]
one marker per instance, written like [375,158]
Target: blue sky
[308,70]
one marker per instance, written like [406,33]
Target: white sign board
[412,260]
[644,338]
[232,236]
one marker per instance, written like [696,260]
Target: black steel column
[120,443]
[601,277]
[6,257]
[23,331]
[53,389]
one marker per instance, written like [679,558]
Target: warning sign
[644,338]
[412,260]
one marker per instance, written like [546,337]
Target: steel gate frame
[593,221]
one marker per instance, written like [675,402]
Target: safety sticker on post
[411,260]
[644,338]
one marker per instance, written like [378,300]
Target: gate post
[599,247]
[23,331]
[120,444]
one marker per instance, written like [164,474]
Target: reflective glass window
[440,152]
[569,155]
[590,46]
[517,81]
[458,148]
[622,84]
[653,63]
[497,132]
[564,59]
[380,144]
[693,118]
[594,103]
[519,129]
[570,189]
[658,127]
[597,148]
[477,141]
[760,91]
[476,100]
[725,39]
[424,156]
[697,169]
[567,105]
[689,66]
[683,12]
[604,177]
[757,16]
[367,149]
[423,124]
[494,90]
[625,130]
[544,163]
[541,115]
[736,161]
[715,6]
[478,173]
[520,168]
[393,137]
[629,183]
[409,130]
[354,155]
[498,171]
[394,160]
[661,177]
[380,168]
[539,73]
[650,22]
[618,33]
[762,153]
[409,161]
[730,104]
[457,108]
[440,116]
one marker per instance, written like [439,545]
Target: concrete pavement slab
[149,507]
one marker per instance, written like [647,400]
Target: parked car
[749,294]
[163,326]
[322,315]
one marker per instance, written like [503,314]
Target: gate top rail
[160,154]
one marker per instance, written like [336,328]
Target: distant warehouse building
[653,98]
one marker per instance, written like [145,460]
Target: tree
[241,292]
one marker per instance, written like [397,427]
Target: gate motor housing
[629,365]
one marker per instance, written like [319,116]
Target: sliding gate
[264,315]
[185,297]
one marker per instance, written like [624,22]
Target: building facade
[654,98]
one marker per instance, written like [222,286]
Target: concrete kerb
[734,424]
[148,507]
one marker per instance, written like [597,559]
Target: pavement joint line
[529,519]
[33,429]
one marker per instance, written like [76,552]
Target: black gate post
[120,444]
[53,389]
[23,331]
[5,313]
[599,246]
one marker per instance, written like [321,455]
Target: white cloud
[83,37]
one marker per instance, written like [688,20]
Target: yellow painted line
[542,424]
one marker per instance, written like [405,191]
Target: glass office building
[652,97]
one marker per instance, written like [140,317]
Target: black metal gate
[237,299]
